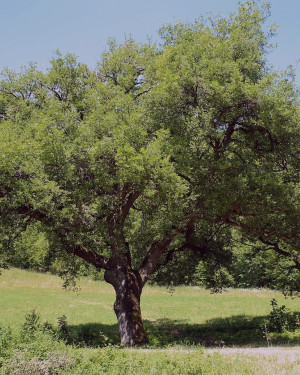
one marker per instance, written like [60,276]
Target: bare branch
[97,260]
[186,178]
[32,213]
[132,197]
[280,251]
[142,93]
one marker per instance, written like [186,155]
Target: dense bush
[281,319]
[5,343]
[30,250]
[32,350]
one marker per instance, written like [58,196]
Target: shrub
[6,342]
[280,319]
[63,328]
[31,325]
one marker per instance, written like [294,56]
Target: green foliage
[162,149]
[182,270]
[255,267]
[90,336]
[33,349]
[210,266]
[179,361]
[63,328]
[6,342]
[31,325]
[32,329]
[30,250]
[281,319]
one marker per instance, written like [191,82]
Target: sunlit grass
[188,314]
[182,327]
[22,291]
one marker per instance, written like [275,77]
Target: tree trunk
[128,287]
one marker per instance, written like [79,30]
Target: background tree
[162,149]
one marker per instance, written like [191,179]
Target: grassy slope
[189,315]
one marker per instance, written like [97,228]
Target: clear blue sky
[30,30]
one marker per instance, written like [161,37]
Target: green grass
[180,325]
[170,362]
[191,315]
[21,291]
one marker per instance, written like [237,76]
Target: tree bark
[128,288]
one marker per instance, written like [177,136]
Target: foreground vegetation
[125,361]
[44,328]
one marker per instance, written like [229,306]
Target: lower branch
[151,259]
[280,251]
[159,246]
[202,250]
[97,260]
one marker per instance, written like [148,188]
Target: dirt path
[291,354]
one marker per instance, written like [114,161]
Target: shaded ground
[236,331]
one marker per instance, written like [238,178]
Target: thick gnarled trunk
[128,287]
[128,312]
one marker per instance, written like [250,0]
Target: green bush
[6,342]
[63,328]
[34,350]
[254,266]
[31,325]
[30,250]
[281,319]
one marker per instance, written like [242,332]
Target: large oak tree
[160,149]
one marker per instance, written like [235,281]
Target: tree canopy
[161,149]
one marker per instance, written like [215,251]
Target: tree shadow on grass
[238,331]
[93,335]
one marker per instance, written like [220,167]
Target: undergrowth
[41,348]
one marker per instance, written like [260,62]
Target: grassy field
[186,328]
